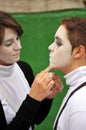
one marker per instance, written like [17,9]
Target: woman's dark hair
[7,21]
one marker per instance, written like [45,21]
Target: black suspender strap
[82,85]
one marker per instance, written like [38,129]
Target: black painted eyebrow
[57,38]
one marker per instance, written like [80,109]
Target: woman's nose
[17,45]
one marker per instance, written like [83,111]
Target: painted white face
[60,49]
[10,48]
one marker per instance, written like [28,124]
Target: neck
[4,64]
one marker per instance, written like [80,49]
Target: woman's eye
[8,43]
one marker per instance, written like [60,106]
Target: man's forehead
[61,33]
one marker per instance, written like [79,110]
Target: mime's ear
[79,51]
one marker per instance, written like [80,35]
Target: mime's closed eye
[58,43]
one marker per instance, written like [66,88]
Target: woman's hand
[42,85]
[45,85]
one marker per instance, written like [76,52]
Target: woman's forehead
[9,34]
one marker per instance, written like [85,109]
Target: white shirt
[14,82]
[73,116]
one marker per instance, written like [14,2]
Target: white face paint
[10,48]
[60,49]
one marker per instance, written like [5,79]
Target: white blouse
[14,82]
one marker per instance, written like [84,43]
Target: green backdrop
[39,30]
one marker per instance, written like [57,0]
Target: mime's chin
[54,66]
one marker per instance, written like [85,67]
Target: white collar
[6,70]
[76,77]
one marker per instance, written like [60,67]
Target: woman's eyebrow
[7,39]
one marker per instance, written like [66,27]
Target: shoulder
[24,65]
[27,70]
[77,101]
